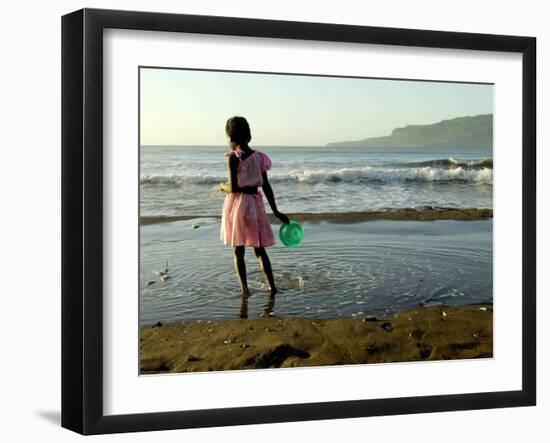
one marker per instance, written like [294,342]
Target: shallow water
[340,270]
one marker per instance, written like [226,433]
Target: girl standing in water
[244,220]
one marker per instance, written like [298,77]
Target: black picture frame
[82,218]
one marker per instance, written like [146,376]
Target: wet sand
[423,333]
[426,214]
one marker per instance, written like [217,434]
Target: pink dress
[244,220]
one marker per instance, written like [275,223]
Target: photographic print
[322,234]
[306,220]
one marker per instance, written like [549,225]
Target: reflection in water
[268,306]
[340,270]
[243,313]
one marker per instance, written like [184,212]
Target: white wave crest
[364,174]
[388,175]
[179,180]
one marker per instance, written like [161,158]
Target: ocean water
[340,269]
[183,180]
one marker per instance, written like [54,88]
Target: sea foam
[365,174]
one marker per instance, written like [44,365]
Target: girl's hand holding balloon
[284,219]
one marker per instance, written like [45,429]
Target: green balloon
[291,234]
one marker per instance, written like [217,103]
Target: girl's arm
[232,186]
[271,199]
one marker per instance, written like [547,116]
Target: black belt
[250,190]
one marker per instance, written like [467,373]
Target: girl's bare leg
[240,268]
[265,265]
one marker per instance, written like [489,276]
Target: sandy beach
[403,214]
[419,334]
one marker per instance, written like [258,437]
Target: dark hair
[238,130]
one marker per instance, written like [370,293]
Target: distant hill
[464,132]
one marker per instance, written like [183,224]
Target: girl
[244,220]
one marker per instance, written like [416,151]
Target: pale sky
[186,107]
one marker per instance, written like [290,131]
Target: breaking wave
[451,163]
[366,174]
